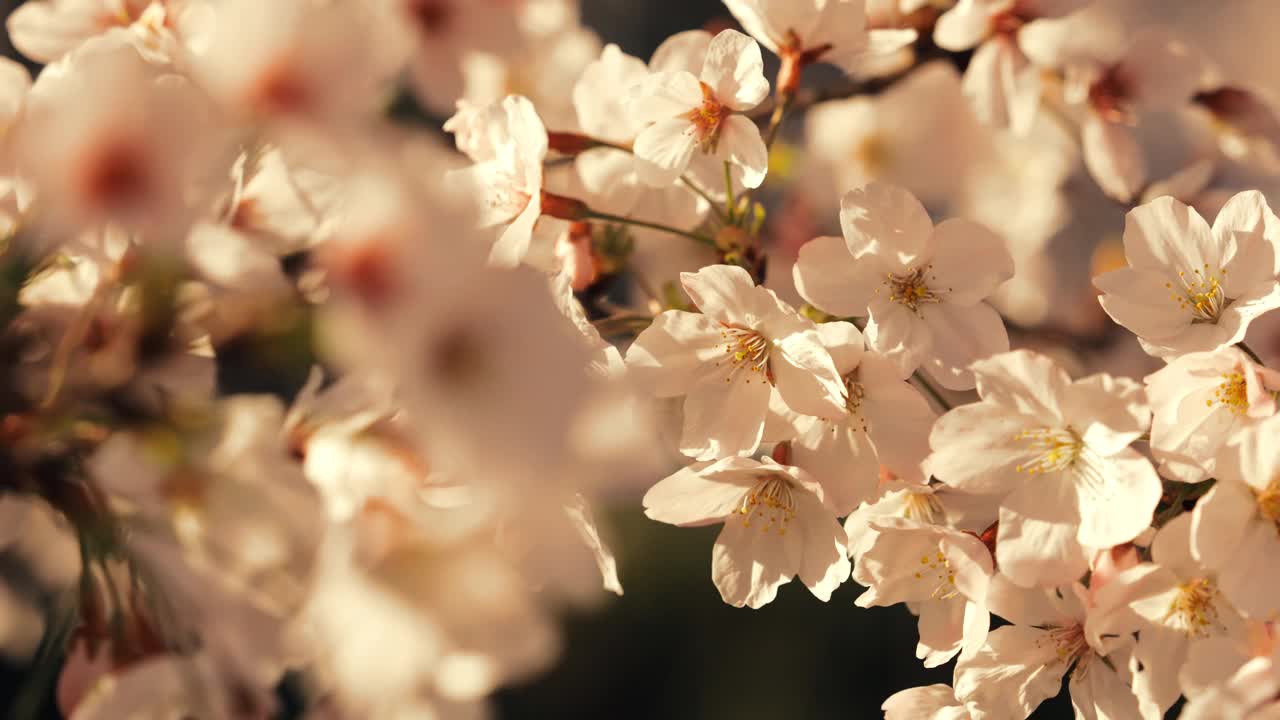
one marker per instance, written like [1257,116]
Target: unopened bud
[732,239]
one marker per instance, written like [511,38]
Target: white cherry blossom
[1235,529]
[729,359]
[1001,81]
[923,288]
[508,143]
[1189,287]
[777,525]
[829,31]
[885,425]
[1057,452]
[1199,401]
[698,117]
[1174,605]
[941,573]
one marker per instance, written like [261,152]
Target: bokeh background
[669,648]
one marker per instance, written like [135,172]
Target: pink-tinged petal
[1024,382]
[898,417]
[1003,86]
[974,449]
[806,377]
[735,71]
[830,279]
[1117,497]
[887,220]
[768,24]
[977,625]
[885,41]
[751,561]
[844,342]
[1037,541]
[1141,301]
[728,294]
[1247,223]
[610,180]
[513,244]
[1113,157]
[1101,694]
[665,95]
[683,52]
[690,497]
[1166,234]
[963,26]
[663,151]
[961,336]
[1161,72]
[742,145]
[969,261]
[673,353]
[1022,605]
[935,702]
[1011,675]
[840,456]
[941,629]
[1172,547]
[1249,579]
[899,334]
[1109,412]
[43,34]
[824,560]
[725,417]
[1219,523]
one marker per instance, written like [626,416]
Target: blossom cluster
[298,391]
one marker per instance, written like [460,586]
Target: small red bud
[782,453]
[570,143]
[565,208]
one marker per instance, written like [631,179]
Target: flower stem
[607,217]
[731,202]
[720,213]
[931,390]
[785,101]
[1249,351]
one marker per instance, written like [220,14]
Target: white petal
[673,353]
[829,278]
[691,498]
[735,71]
[961,336]
[750,562]
[1036,543]
[806,377]
[969,261]
[663,151]
[1009,677]
[725,418]
[1117,497]
[887,220]
[1114,158]
[741,143]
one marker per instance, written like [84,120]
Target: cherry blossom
[688,115]
[921,287]
[777,525]
[1057,453]
[730,358]
[1189,287]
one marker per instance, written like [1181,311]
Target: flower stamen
[771,500]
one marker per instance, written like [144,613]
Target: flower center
[1053,450]
[1069,644]
[745,350]
[853,394]
[1200,293]
[936,570]
[1232,392]
[771,504]
[1193,610]
[911,289]
[922,506]
[707,118]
